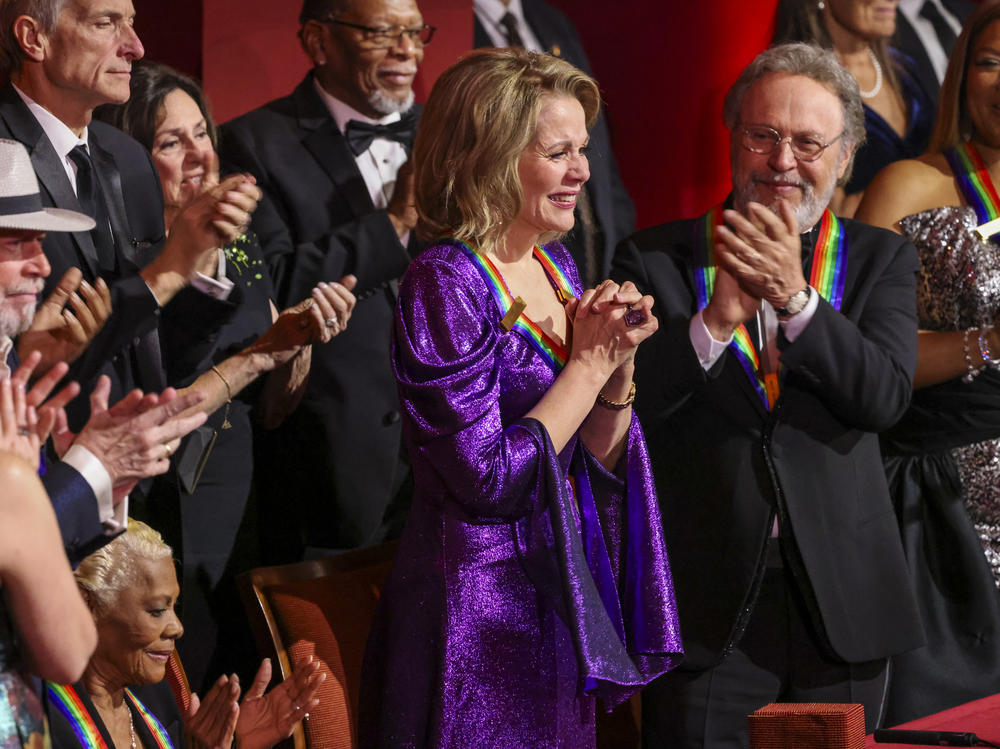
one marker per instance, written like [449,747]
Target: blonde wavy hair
[480,117]
[113,568]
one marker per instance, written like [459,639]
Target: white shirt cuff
[219,287]
[96,475]
[795,324]
[705,346]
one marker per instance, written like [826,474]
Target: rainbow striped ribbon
[829,270]
[69,704]
[974,181]
[160,735]
[66,699]
[550,350]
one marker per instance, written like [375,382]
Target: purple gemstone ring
[634,317]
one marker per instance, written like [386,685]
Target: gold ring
[166,446]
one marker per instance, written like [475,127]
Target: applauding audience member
[200,507]
[534,545]
[45,628]
[63,60]
[943,458]
[130,588]
[116,447]
[332,160]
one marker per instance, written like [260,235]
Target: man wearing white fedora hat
[64,59]
[117,446]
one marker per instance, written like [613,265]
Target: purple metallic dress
[527,582]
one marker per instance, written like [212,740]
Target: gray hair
[812,62]
[114,568]
[46,12]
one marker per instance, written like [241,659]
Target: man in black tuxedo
[117,446]
[605,214]
[761,396]
[331,159]
[926,31]
[64,59]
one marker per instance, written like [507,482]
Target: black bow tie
[361,134]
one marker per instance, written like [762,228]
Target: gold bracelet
[616,405]
[229,398]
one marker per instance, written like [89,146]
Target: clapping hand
[210,723]
[314,320]
[266,719]
[59,334]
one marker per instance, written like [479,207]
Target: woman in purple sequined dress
[532,577]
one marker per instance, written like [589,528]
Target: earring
[321,61]
[821,5]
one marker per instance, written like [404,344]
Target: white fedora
[20,200]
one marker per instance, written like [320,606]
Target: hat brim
[48,219]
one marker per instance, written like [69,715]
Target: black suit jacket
[157,698]
[339,453]
[725,465]
[612,205]
[127,348]
[907,41]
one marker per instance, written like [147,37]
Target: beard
[17,318]
[807,212]
[385,104]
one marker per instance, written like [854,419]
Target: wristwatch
[796,303]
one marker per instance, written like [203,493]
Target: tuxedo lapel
[329,147]
[111,185]
[547,36]
[48,168]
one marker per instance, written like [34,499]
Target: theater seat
[323,608]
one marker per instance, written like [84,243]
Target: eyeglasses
[763,140]
[383,37]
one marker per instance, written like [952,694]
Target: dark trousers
[778,659]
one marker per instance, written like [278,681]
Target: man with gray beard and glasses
[787,341]
[331,159]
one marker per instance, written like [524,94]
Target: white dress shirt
[924,30]
[64,140]
[489,13]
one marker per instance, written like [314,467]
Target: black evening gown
[211,529]
[938,480]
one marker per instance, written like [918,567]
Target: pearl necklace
[878,78]
[131,727]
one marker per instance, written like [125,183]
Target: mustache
[774,179]
[29,287]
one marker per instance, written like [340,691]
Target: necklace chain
[873,92]
[131,725]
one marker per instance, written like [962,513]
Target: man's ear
[311,37]
[29,35]
[846,159]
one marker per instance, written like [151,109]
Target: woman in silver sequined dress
[943,458]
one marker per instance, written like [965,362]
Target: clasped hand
[602,337]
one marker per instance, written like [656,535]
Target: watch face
[796,303]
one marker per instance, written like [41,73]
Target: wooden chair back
[323,608]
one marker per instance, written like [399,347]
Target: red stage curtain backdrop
[664,69]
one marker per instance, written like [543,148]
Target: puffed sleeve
[445,346]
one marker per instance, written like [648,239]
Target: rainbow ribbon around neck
[68,702]
[159,733]
[829,270]
[551,351]
[974,181]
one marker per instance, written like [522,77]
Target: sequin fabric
[22,723]
[515,601]
[958,287]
